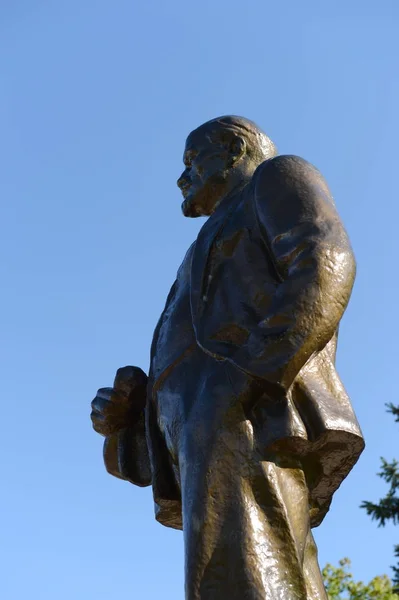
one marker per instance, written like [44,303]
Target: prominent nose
[183,180]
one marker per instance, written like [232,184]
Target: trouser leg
[314,581]
[246,521]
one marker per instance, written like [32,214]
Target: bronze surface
[243,427]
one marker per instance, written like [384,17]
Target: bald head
[222,129]
[220,156]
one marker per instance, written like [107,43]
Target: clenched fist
[116,408]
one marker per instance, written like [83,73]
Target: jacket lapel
[205,239]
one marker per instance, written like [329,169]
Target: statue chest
[238,284]
[175,332]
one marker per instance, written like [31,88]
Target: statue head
[220,156]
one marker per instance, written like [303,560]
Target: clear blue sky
[96,100]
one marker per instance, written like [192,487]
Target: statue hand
[118,407]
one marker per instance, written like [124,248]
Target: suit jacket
[272,273]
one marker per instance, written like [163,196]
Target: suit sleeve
[315,270]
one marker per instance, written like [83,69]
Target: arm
[314,265]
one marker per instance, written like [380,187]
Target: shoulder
[292,186]
[291,194]
[288,172]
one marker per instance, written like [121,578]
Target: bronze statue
[243,428]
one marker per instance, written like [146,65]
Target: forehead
[199,139]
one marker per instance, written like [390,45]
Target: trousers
[246,521]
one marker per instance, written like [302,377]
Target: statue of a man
[243,427]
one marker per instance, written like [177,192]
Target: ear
[237,149]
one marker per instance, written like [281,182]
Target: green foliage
[394,410]
[387,509]
[341,586]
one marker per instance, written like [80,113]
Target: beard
[202,200]
[190,209]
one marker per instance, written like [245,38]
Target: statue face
[205,178]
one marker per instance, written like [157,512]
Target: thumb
[128,379]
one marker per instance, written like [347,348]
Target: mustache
[207,197]
[213,181]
